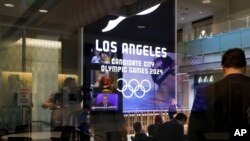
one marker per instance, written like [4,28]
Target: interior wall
[237,6]
[70,54]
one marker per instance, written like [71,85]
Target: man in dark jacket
[173,130]
[222,108]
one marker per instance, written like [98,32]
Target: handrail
[223,27]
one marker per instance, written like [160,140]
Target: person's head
[158,119]
[233,61]
[172,101]
[152,130]
[181,118]
[137,127]
[105,99]
[103,56]
[70,82]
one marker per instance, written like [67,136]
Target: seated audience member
[173,130]
[139,135]
[158,120]
[152,132]
[158,123]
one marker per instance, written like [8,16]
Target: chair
[19,139]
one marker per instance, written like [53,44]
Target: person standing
[172,109]
[222,108]
[64,103]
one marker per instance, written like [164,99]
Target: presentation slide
[142,74]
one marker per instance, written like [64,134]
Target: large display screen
[139,66]
[143,75]
[105,102]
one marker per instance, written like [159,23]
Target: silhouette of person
[222,107]
[139,135]
[61,103]
[173,130]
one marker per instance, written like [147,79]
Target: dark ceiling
[65,17]
[159,26]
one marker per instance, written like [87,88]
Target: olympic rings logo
[134,86]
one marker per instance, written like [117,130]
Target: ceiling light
[149,10]
[113,23]
[9,5]
[43,10]
[141,26]
[206,1]
[40,43]
[200,12]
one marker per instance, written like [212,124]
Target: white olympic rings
[134,88]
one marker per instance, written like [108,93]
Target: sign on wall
[24,97]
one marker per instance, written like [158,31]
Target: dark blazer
[221,108]
[170,131]
[140,137]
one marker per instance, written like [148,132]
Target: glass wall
[33,63]
[31,69]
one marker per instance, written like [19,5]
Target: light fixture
[141,26]
[113,23]
[10,5]
[40,43]
[43,10]
[206,1]
[211,79]
[205,79]
[149,10]
[200,12]
[200,80]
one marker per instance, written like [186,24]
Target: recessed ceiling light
[43,10]
[200,12]
[182,18]
[9,5]
[141,26]
[206,1]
